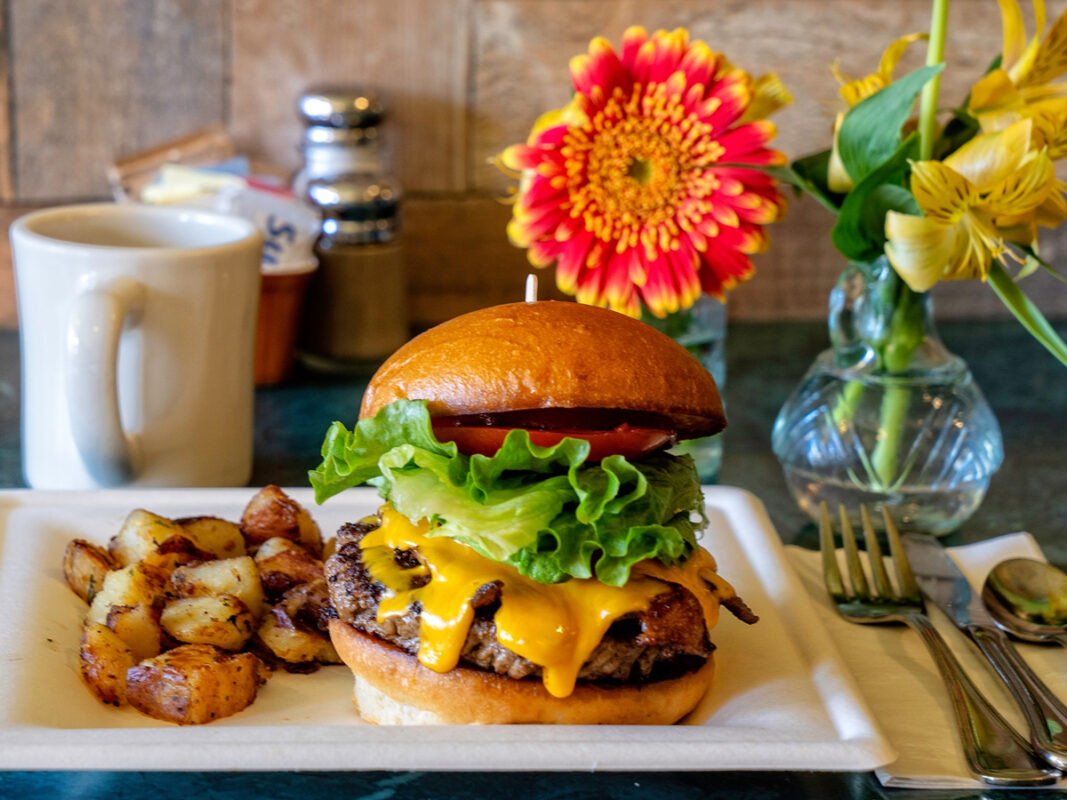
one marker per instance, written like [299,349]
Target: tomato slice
[625,440]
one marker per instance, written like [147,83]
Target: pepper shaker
[356,308]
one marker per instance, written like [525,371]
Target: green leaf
[1050,270]
[887,197]
[871,131]
[860,230]
[1034,262]
[1026,312]
[813,171]
[543,509]
[1029,267]
[806,174]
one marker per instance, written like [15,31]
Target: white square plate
[781,697]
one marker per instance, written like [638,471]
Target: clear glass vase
[701,329]
[888,416]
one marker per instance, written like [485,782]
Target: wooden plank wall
[82,83]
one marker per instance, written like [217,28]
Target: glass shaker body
[356,308]
[341,133]
[356,305]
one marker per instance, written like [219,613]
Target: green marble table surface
[1026,388]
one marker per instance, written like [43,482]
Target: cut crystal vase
[887,416]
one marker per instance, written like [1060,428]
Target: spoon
[1028,598]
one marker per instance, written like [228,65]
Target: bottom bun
[393,688]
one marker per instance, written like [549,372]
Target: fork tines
[857,575]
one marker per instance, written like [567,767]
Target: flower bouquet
[641,190]
[888,415]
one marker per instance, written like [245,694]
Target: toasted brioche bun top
[549,354]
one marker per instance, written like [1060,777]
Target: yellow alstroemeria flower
[975,202]
[854,91]
[1023,86]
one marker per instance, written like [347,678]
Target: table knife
[946,587]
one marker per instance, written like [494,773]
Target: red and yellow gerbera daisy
[632,189]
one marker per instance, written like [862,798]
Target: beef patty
[665,640]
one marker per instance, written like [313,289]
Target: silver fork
[995,753]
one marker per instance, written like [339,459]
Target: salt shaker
[356,308]
[341,133]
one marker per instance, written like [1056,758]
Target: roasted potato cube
[273,513]
[194,683]
[141,535]
[283,564]
[136,584]
[129,603]
[223,621]
[84,566]
[139,627]
[219,537]
[274,546]
[174,552]
[293,644]
[103,659]
[236,576]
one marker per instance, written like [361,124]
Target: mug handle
[93,334]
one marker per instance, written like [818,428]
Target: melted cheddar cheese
[556,626]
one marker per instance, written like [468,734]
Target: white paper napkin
[901,684]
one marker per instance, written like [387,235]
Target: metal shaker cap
[358,207]
[341,107]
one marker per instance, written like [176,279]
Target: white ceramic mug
[137,332]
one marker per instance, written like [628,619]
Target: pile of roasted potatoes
[187,617]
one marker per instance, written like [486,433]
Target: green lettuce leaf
[542,509]
[496,522]
[350,458]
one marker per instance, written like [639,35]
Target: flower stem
[846,402]
[886,456]
[906,335]
[935,54]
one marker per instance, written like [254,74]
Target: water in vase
[931,467]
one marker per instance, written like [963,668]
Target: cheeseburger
[536,557]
